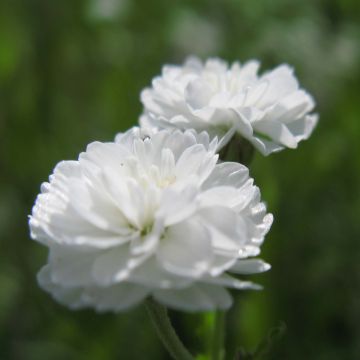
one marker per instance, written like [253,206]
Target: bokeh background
[71,73]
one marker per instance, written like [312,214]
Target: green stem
[238,150]
[165,331]
[218,352]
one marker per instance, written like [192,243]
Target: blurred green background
[71,73]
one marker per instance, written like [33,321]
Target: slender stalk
[217,350]
[239,150]
[165,331]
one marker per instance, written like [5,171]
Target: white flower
[149,214]
[270,110]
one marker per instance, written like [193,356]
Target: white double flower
[271,110]
[152,213]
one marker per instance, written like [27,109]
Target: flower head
[152,213]
[269,110]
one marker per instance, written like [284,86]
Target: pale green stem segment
[217,350]
[165,331]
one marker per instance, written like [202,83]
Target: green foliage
[71,73]
[265,347]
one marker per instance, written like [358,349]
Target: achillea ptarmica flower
[151,214]
[269,110]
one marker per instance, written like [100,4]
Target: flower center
[146,230]
[166,181]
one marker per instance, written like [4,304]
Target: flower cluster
[155,213]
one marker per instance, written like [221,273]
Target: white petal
[221,263]
[193,62]
[219,196]
[198,94]
[250,266]
[255,93]
[266,147]
[109,154]
[71,266]
[291,107]
[215,64]
[227,174]
[227,196]
[128,196]
[94,208]
[54,220]
[179,141]
[281,82]
[192,162]
[200,297]
[117,297]
[70,296]
[115,265]
[177,206]
[303,127]
[220,100]
[167,167]
[229,281]
[247,72]
[185,249]
[224,140]
[276,131]
[228,230]
[244,120]
[145,244]
[152,274]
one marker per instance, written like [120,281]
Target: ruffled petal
[185,249]
[250,266]
[200,297]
